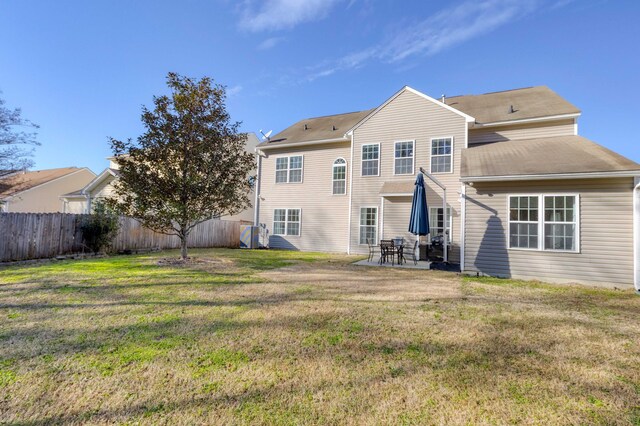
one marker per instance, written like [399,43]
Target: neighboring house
[39,191]
[527,197]
[102,187]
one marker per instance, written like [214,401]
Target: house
[527,196]
[39,191]
[80,201]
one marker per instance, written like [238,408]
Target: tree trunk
[183,247]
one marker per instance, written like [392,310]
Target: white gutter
[256,205]
[303,143]
[636,233]
[527,120]
[581,175]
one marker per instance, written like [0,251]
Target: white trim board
[580,175]
[527,120]
[291,144]
[636,233]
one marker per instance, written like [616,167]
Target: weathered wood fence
[25,236]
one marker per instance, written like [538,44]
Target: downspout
[350,195]
[256,204]
[636,233]
[463,220]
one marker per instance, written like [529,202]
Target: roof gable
[373,112]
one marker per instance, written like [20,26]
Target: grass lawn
[273,337]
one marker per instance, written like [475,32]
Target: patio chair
[386,250]
[412,254]
[372,250]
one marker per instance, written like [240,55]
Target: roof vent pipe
[443,98]
[334,128]
[306,127]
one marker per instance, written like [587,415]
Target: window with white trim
[286,222]
[289,169]
[544,222]
[436,222]
[560,222]
[339,174]
[403,158]
[368,224]
[441,155]
[370,160]
[523,222]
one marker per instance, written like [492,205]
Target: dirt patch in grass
[267,337]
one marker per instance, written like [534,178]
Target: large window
[286,222]
[368,224]
[370,160]
[559,223]
[544,222]
[523,222]
[436,222]
[441,155]
[289,169]
[403,158]
[339,177]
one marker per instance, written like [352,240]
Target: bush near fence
[25,236]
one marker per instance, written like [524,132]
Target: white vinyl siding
[289,169]
[403,156]
[286,222]
[339,175]
[368,224]
[603,252]
[521,131]
[371,160]
[441,155]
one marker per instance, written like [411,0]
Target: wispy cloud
[259,15]
[270,43]
[233,91]
[436,33]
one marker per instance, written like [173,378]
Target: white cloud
[438,32]
[233,91]
[270,43]
[282,14]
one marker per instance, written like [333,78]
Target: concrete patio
[422,264]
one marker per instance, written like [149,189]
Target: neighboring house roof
[108,172]
[528,103]
[22,181]
[543,156]
[329,127]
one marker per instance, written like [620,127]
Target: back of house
[527,197]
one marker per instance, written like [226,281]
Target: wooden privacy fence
[25,236]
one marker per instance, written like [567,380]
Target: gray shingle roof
[552,155]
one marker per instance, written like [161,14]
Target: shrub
[99,228]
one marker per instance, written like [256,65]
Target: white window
[436,222]
[286,222]
[368,224]
[544,222]
[523,222]
[370,160]
[339,177]
[403,158]
[560,222]
[441,155]
[289,169]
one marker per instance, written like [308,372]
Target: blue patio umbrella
[419,220]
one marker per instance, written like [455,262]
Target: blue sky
[82,69]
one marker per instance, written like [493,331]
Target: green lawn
[274,337]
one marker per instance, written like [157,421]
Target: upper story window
[441,155]
[544,222]
[371,160]
[403,158]
[339,177]
[289,169]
